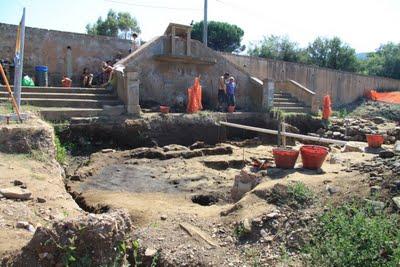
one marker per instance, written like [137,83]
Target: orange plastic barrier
[194,97]
[388,97]
[327,110]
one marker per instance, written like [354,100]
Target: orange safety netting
[327,110]
[194,97]
[388,97]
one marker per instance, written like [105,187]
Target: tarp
[194,97]
[327,110]
[388,97]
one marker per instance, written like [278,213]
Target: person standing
[230,91]
[223,80]
[135,42]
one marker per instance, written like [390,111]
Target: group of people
[104,77]
[226,91]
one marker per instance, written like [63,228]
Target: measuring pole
[205,24]
[19,60]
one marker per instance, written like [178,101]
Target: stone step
[287,104]
[296,109]
[64,95]
[62,114]
[73,90]
[72,103]
[285,99]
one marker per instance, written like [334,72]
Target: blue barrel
[41,76]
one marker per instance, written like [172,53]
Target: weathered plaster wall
[48,47]
[163,82]
[343,87]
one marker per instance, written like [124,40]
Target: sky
[363,24]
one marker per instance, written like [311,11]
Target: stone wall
[50,48]
[343,87]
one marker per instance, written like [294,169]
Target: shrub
[355,235]
[61,151]
[300,193]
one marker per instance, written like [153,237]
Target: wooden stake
[10,92]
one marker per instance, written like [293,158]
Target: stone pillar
[133,93]
[173,40]
[188,39]
[268,94]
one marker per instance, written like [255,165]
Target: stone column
[268,94]
[188,39]
[173,40]
[133,93]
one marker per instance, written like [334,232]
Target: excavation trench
[154,156]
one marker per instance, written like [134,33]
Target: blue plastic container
[41,76]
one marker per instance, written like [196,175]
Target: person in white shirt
[135,42]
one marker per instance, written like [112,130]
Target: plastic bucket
[41,76]
[164,109]
[313,156]
[375,140]
[231,109]
[285,158]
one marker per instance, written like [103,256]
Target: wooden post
[283,134]
[188,37]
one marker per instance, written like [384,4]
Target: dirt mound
[33,134]
[88,240]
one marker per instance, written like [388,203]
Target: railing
[299,91]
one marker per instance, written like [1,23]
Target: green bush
[355,235]
[300,193]
[61,151]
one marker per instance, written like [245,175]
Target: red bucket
[285,158]
[231,109]
[375,140]
[313,156]
[164,109]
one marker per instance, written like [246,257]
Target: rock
[332,189]
[247,225]
[174,147]
[164,217]
[41,200]
[396,201]
[264,233]
[378,120]
[15,193]
[22,225]
[397,146]
[150,252]
[375,189]
[336,134]
[245,181]
[18,183]
[198,145]
[386,154]
[107,150]
[377,205]
[272,215]
[354,146]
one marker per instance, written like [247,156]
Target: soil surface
[161,195]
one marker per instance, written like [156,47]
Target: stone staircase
[59,103]
[287,103]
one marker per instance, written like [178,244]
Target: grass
[61,151]
[300,193]
[355,235]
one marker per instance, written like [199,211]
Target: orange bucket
[313,156]
[285,158]
[375,140]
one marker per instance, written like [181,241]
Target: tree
[222,36]
[332,53]
[121,24]
[385,61]
[277,47]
